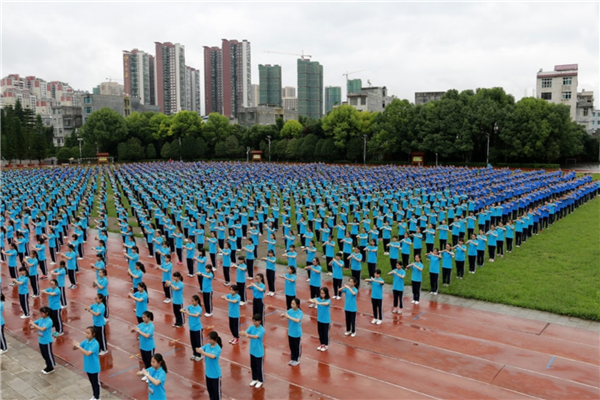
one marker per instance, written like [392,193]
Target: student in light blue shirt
[377,296]
[323,304]
[233,298]
[207,289]
[23,289]
[156,376]
[91,359]
[53,293]
[434,270]
[141,301]
[294,316]
[350,291]
[176,285]
[398,275]
[258,291]
[416,278]
[212,370]
[166,267]
[290,286]
[194,311]
[256,334]
[44,328]
[145,330]
[270,261]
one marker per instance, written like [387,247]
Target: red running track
[432,350]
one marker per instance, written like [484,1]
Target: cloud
[407,47]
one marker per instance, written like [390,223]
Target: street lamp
[180,159]
[487,157]
[80,140]
[269,139]
[247,154]
[365,150]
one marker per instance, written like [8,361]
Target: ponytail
[215,336]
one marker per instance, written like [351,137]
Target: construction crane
[110,79]
[302,56]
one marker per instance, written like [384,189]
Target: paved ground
[21,377]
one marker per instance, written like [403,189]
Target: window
[566,95]
[88,110]
[363,101]
[87,100]
[547,96]
[585,112]
[546,82]
[567,80]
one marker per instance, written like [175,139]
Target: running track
[433,350]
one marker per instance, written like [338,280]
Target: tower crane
[302,56]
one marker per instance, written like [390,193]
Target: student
[294,316]
[227,262]
[337,266]
[416,278]
[71,257]
[233,298]
[491,240]
[434,270]
[166,269]
[270,261]
[145,331]
[394,248]
[207,289]
[137,275]
[482,240]
[447,256]
[190,248]
[201,266]
[44,328]
[256,333]
[356,260]
[97,310]
[155,375]
[350,291]
[258,291]
[12,261]
[315,279]
[249,249]
[177,287]
[460,250]
[141,301]
[194,311]
[405,244]
[99,264]
[417,242]
[3,346]
[290,286]
[398,288]
[240,278]
[23,283]
[53,293]
[212,370]
[212,249]
[471,254]
[40,249]
[510,234]
[323,304]
[91,360]
[377,296]
[32,263]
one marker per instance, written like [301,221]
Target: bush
[150,151]
[64,154]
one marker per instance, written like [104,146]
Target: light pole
[436,158]
[269,139]
[80,156]
[180,159]
[247,154]
[487,153]
[365,150]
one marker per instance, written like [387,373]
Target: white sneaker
[308,280]
[311,305]
[258,385]
[166,300]
[416,302]
[353,334]
[208,315]
[253,383]
[103,352]
[24,316]
[330,273]
[3,351]
[379,322]
[347,333]
[324,348]
[144,379]
[374,321]
[242,303]
[413,301]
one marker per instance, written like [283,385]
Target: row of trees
[23,136]
[455,128]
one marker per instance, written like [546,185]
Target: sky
[407,47]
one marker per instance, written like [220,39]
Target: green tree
[293,149]
[201,147]
[138,126]
[354,149]
[105,128]
[307,149]
[185,123]
[165,151]
[64,154]
[291,129]
[123,152]
[189,149]
[234,150]
[8,122]
[279,149]
[342,123]
[150,152]
[216,127]
[38,145]
[159,125]
[221,150]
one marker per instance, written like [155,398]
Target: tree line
[23,135]
[455,128]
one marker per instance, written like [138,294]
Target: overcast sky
[408,47]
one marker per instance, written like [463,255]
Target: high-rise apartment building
[353,86]
[310,88]
[138,76]
[109,89]
[333,97]
[192,89]
[289,99]
[288,91]
[270,84]
[213,80]
[170,77]
[227,77]
[254,95]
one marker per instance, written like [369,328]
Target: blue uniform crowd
[370,221]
